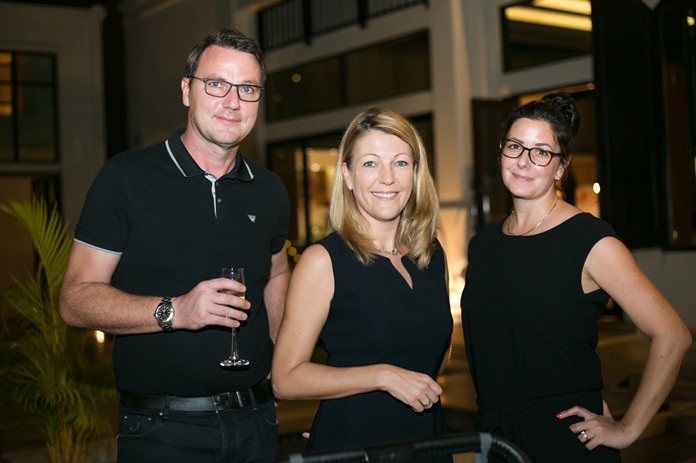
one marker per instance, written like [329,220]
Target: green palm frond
[44,364]
[49,237]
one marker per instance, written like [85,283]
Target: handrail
[403,452]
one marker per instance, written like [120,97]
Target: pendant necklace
[535,226]
[393,252]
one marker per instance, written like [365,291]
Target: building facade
[466,75]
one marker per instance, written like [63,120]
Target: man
[157,226]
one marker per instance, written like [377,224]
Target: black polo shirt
[174,225]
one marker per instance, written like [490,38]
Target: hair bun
[565,104]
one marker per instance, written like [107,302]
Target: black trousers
[243,435]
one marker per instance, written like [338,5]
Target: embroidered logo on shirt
[252,218]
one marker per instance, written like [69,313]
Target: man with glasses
[157,226]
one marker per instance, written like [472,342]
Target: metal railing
[295,21]
[483,444]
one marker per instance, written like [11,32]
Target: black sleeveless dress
[375,317]
[531,334]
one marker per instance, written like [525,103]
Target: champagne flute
[234,360]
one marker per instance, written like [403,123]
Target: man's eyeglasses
[539,156]
[220,88]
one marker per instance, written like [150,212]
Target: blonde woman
[374,294]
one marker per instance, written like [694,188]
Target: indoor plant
[46,367]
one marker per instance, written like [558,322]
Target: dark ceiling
[78,3]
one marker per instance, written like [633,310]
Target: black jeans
[244,435]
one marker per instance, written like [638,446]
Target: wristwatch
[164,313]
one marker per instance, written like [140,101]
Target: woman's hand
[596,430]
[417,390]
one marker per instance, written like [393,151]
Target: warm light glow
[315,167]
[596,188]
[456,286]
[5,87]
[548,18]
[690,20]
[296,78]
[571,6]
[99,336]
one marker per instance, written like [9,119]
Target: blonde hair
[418,222]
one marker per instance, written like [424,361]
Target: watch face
[164,314]
[164,311]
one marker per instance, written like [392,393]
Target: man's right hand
[211,302]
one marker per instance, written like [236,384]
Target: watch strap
[165,323]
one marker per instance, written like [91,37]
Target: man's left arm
[275,290]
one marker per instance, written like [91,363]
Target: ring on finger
[583,435]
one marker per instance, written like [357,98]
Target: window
[541,31]
[28,129]
[307,167]
[350,78]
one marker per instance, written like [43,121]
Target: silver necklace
[393,252]
[535,226]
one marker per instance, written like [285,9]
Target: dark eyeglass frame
[529,152]
[241,96]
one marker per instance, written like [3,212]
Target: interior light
[296,78]
[548,18]
[571,6]
[690,20]
[99,336]
[596,188]
[5,87]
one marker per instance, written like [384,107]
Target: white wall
[674,273]
[74,35]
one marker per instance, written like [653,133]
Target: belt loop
[164,413]
[252,396]
[217,400]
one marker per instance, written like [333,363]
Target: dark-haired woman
[535,285]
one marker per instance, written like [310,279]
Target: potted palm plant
[45,368]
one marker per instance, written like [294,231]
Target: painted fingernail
[559,415]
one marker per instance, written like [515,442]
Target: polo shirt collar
[189,168]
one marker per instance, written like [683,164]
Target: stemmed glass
[234,360]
